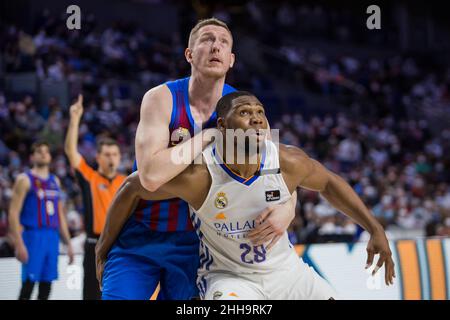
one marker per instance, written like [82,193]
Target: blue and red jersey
[40,207]
[173,214]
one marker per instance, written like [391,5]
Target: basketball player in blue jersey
[36,218]
[225,196]
[156,243]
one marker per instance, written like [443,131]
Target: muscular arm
[120,209]
[154,158]
[190,186]
[71,142]
[301,170]
[20,189]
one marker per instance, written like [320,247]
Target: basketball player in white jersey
[226,197]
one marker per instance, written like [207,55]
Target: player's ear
[221,124]
[232,60]
[188,55]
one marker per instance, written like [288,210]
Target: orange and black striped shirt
[97,192]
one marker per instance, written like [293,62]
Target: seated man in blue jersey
[36,218]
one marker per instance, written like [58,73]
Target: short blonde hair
[206,22]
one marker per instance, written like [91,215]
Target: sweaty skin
[297,168]
[210,54]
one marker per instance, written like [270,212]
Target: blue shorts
[43,250]
[141,258]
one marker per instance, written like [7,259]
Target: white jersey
[231,267]
[229,213]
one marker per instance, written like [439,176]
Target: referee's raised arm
[71,142]
[98,187]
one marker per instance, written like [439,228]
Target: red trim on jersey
[139,211]
[154,215]
[47,218]
[180,108]
[56,220]
[183,118]
[138,215]
[174,208]
[38,202]
[189,225]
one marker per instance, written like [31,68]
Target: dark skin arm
[191,185]
[299,170]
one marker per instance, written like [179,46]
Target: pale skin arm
[63,228]
[20,189]
[71,142]
[302,171]
[154,158]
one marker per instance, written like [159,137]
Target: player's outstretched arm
[300,170]
[20,189]
[120,209]
[71,143]
[154,158]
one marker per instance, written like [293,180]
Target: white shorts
[296,282]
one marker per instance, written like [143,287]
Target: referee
[98,188]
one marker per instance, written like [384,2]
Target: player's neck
[205,92]
[246,169]
[41,172]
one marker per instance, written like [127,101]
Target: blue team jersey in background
[40,207]
[173,215]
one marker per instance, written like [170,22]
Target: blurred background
[372,105]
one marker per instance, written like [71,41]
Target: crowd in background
[399,165]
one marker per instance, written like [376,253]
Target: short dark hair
[226,102]
[206,22]
[106,141]
[36,145]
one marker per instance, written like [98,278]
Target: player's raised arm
[20,189]
[153,155]
[71,143]
[300,170]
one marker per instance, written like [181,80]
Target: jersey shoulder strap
[213,165]
[271,159]
[177,89]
